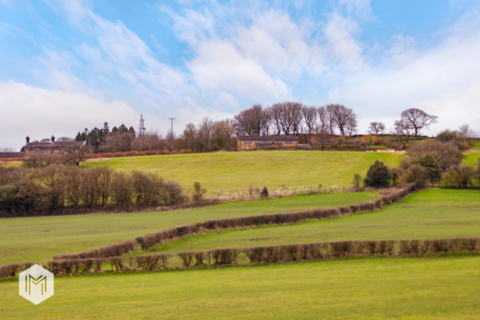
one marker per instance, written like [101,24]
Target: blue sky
[70,65]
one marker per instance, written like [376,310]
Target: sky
[70,65]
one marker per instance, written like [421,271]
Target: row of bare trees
[208,135]
[293,117]
[54,187]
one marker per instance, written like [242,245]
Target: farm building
[245,143]
[47,147]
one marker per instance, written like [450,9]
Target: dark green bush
[264,193]
[377,176]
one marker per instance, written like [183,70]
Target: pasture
[39,238]
[229,171]
[429,214]
[375,288]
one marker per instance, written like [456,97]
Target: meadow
[229,171]
[429,214]
[39,238]
[374,288]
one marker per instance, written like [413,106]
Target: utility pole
[172,124]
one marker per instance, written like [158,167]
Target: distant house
[47,147]
[245,143]
[4,155]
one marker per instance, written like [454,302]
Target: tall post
[172,124]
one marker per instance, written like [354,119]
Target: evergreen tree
[106,130]
[377,176]
[433,169]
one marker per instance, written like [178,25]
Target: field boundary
[318,251]
[149,240]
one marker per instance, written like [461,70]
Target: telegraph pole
[171,119]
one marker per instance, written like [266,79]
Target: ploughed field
[429,214]
[35,239]
[374,288]
[229,171]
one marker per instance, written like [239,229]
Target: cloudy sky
[70,65]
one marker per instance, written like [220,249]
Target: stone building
[245,143]
[47,148]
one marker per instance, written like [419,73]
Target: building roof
[12,154]
[51,144]
[269,138]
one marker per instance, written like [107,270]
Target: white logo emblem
[36,284]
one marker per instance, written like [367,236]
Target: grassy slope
[430,214]
[441,288]
[472,158]
[237,170]
[39,238]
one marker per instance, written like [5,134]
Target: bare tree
[75,153]
[342,117]
[117,142]
[276,115]
[309,118]
[190,137]
[417,119]
[323,128]
[294,116]
[376,128]
[469,134]
[403,131]
[148,141]
[252,121]
[6,149]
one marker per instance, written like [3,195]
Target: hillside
[237,170]
[429,214]
[39,238]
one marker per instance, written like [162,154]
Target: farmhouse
[47,147]
[254,142]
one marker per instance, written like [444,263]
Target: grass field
[472,158]
[401,288]
[430,214]
[237,170]
[39,238]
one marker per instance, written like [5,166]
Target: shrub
[460,177]
[122,190]
[198,192]
[357,180]
[394,175]
[147,188]
[173,193]
[264,193]
[377,176]
[415,174]
[446,154]
[433,170]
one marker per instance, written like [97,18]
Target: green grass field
[399,288]
[472,158]
[39,238]
[237,170]
[429,214]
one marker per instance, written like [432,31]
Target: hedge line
[270,254]
[149,240]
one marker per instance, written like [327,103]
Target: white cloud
[40,113]
[339,32]
[358,7]
[442,80]
[403,49]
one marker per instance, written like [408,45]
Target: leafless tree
[342,117]
[403,131]
[148,141]
[286,117]
[376,128]
[417,119]
[65,139]
[252,121]
[276,115]
[469,134]
[75,153]
[309,118]
[190,137]
[6,149]
[170,140]
[117,142]
[323,127]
